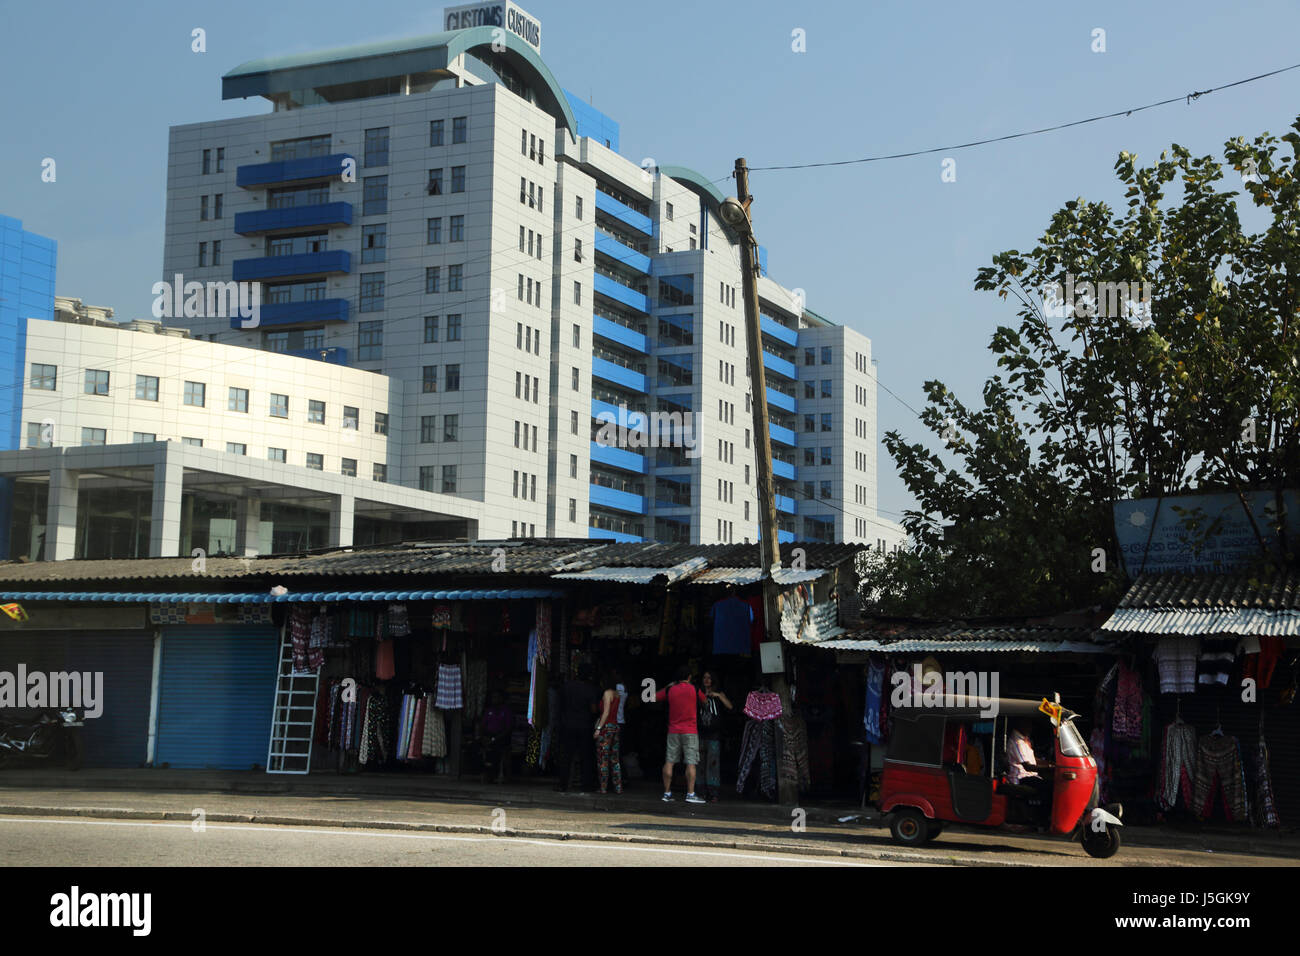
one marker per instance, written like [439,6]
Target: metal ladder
[294,718]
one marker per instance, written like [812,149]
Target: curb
[883,855]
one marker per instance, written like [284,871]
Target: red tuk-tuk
[931,776]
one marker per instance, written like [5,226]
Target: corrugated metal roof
[743,576]
[965,646]
[1280,591]
[636,575]
[206,597]
[1204,621]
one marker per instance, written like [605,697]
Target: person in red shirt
[683,739]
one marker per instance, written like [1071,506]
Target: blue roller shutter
[216,695]
[119,736]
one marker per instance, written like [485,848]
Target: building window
[827,419]
[453,327]
[94,436]
[459,127]
[809,423]
[430,378]
[38,436]
[221,159]
[46,376]
[203,254]
[450,427]
[573,421]
[379,472]
[435,132]
[381,423]
[454,277]
[351,418]
[203,208]
[809,389]
[428,429]
[432,279]
[430,328]
[449,479]
[315,461]
[435,182]
[236,448]
[573,466]
[669,211]
[826,455]
[435,231]
[276,454]
[372,292]
[216,252]
[809,356]
[828,355]
[377,146]
[427,477]
[451,381]
[574,379]
[279,406]
[456,232]
[577,335]
[573,509]
[195,394]
[370,340]
[237,401]
[207,161]
[577,208]
[810,456]
[577,250]
[826,489]
[577,293]
[374,195]
[826,388]
[193,442]
[315,412]
[349,467]
[458,179]
[143,438]
[216,206]
[374,238]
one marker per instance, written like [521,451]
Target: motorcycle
[54,735]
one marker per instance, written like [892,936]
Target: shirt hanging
[449,687]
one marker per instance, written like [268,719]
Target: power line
[1186,98]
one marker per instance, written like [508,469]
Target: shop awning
[316,597]
[744,576]
[669,575]
[1203,621]
[963,647]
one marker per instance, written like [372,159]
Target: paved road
[70,842]
[709,830]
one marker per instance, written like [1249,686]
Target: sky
[887,248]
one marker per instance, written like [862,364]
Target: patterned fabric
[1267,807]
[317,642]
[758,743]
[253,614]
[1218,767]
[794,751]
[608,756]
[762,705]
[1177,764]
[533,749]
[435,731]
[168,613]
[415,747]
[449,688]
[871,718]
[1127,718]
[442,616]
[712,764]
[1176,659]
[324,700]
[476,682]
[543,625]
[299,637]
[399,624]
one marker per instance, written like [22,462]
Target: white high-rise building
[439,210]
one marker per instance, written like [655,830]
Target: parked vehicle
[927,780]
[53,735]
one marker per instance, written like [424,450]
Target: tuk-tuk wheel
[1103,845]
[909,827]
[933,829]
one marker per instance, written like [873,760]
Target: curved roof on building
[696,182]
[373,61]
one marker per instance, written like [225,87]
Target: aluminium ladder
[294,718]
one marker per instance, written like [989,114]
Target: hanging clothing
[317,642]
[449,688]
[434,743]
[762,705]
[1218,767]
[758,743]
[1259,664]
[476,682]
[1214,664]
[1127,716]
[871,717]
[543,627]
[758,626]
[1177,764]
[300,637]
[608,758]
[794,751]
[414,749]
[1264,801]
[1176,660]
[384,666]
[399,624]
[732,618]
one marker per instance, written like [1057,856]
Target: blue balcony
[781,435]
[784,537]
[290,171]
[293,217]
[291,313]
[785,504]
[333,354]
[620,334]
[620,293]
[618,375]
[606,412]
[603,535]
[618,458]
[617,500]
[608,245]
[784,470]
[624,214]
[282,267]
[780,400]
[773,328]
[779,365]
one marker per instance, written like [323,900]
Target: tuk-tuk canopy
[1001,706]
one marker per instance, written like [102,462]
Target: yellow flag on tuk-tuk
[1051,710]
[15,611]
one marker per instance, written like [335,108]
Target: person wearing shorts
[683,739]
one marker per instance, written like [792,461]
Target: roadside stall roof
[1203,604]
[958,638]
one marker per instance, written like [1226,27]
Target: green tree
[1102,399]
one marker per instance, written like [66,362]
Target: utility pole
[735,213]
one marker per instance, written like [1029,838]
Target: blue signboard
[1199,532]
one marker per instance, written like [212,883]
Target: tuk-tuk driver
[1022,765]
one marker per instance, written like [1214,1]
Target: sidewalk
[642,799]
